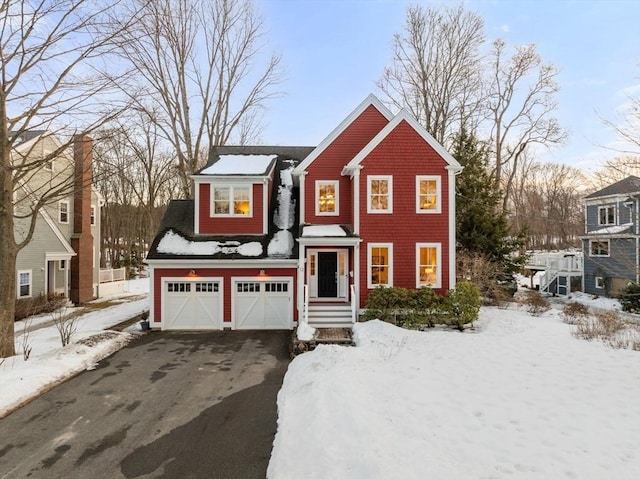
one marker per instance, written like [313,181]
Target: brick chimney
[81,289]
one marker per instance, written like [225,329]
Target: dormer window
[231,201]
[327,198]
[606,215]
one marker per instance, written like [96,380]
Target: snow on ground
[50,363]
[519,397]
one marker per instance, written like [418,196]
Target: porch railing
[305,305]
[109,275]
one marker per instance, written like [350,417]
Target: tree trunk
[8,254]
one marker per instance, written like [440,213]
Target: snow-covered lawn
[50,363]
[519,397]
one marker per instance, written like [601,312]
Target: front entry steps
[329,315]
[339,336]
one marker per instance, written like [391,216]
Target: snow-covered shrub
[630,298]
[573,312]
[535,303]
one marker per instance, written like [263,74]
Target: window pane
[221,193]
[428,194]
[380,265]
[428,266]
[327,198]
[241,208]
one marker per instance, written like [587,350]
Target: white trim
[438,206]
[18,273]
[451,247]
[231,188]
[438,248]
[196,206]
[404,115]
[329,241]
[336,192]
[615,215]
[355,186]
[371,100]
[389,179]
[265,206]
[370,246]
[302,199]
[599,279]
[600,255]
[68,212]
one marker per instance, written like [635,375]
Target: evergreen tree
[481,226]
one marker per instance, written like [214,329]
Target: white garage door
[263,304]
[192,304]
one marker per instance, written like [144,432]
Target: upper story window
[379,194]
[327,198]
[380,271]
[93,215]
[231,201]
[606,215]
[428,194]
[24,283]
[63,212]
[599,248]
[428,264]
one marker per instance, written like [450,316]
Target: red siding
[404,155]
[235,225]
[328,166]
[226,274]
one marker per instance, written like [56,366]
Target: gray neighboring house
[62,258]
[611,243]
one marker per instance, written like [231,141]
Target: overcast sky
[335,50]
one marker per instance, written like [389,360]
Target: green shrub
[630,298]
[462,305]
[385,304]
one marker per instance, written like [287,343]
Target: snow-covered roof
[612,230]
[323,230]
[173,243]
[240,165]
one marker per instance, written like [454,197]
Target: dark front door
[327,274]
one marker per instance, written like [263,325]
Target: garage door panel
[192,305]
[265,304]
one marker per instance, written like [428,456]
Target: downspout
[453,172]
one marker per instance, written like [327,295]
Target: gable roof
[629,185]
[404,115]
[371,100]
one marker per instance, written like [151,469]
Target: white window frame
[231,188]
[370,247]
[609,207]
[60,203]
[439,265]
[599,282]
[18,285]
[93,215]
[62,264]
[591,242]
[438,207]
[336,188]
[389,180]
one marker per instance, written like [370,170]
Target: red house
[280,234]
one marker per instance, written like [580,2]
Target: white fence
[110,275]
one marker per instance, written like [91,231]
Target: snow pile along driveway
[520,397]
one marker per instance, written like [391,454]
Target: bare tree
[198,65]
[436,69]
[520,102]
[53,55]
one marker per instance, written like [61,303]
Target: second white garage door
[263,304]
[192,304]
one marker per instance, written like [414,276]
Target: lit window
[428,194]
[380,265]
[24,284]
[428,265]
[606,215]
[380,193]
[599,248]
[93,215]
[231,201]
[63,211]
[599,282]
[326,198]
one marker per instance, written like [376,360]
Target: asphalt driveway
[169,405]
